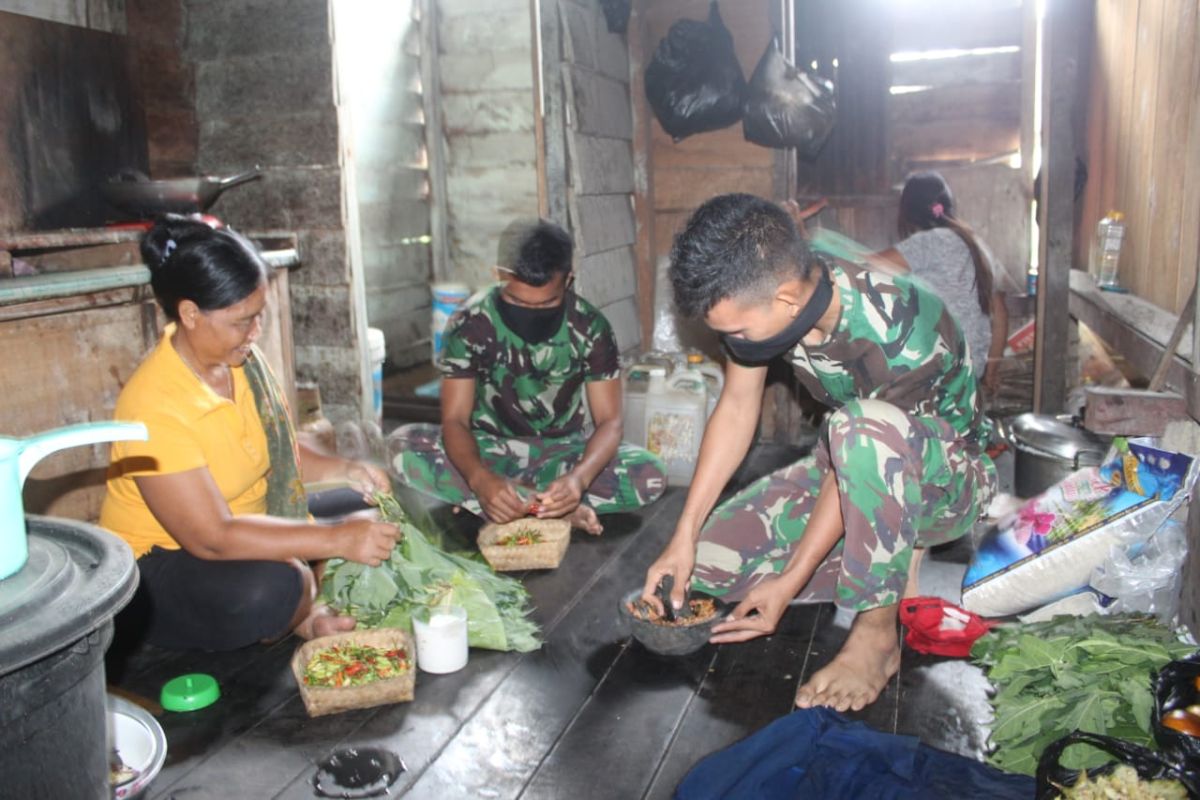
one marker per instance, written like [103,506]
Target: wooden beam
[553,116]
[435,152]
[1131,412]
[640,51]
[1061,40]
[539,102]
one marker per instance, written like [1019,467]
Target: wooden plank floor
[590,715]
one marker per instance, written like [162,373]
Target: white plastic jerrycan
[676,412]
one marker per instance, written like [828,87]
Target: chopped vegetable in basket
[519,538]
[355,665]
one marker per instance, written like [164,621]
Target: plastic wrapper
[787,107]
[1149,764]
[694,82]
[1145,578]
[1050,546]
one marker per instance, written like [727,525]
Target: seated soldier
[517,360]
[899,465]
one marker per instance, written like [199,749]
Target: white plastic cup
[447,297]
[441,635]
[377,350]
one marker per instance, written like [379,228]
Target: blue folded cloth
[818,753]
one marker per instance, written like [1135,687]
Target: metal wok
[143,197]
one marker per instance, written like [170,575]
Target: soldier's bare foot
[861,670]
[913,587]
[585,518]
[323,621]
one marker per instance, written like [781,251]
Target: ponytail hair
[926,203]
[189,260]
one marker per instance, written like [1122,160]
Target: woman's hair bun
[169,231]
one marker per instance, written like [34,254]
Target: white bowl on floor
[139,741]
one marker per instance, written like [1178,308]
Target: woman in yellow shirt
[213,503]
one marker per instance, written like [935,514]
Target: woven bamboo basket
[546,554]
[321,700]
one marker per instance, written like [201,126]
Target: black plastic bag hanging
[616,14]
[787,107]
[694,82]
[1150,765]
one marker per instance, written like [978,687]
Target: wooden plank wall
[674,178]
[485,63]
[1144,143]
[379,78]
[600,180]
[969,107]
[69,119]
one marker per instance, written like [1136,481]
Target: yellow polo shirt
[190,426]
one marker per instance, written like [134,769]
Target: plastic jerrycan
[676,412]
[636,383]
[714,377]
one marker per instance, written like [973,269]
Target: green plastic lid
[190,692]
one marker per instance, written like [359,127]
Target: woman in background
[213,503]
[949,258]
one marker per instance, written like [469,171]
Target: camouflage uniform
[905,446]
[529,413]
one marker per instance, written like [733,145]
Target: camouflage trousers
[903,481]
[634,478]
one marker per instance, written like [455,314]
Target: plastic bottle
[1110,233]
[676,411]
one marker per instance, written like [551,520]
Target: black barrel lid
[77,576]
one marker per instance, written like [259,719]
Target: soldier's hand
[560,498]
[499,498]
[678,561]
[757,615]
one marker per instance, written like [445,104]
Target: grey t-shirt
[942,261]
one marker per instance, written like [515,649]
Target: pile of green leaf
[419,575]
[1072,673]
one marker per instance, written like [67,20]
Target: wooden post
[552,121]
[1061,38]
[787,13]
[643,169]
[539,108]
[435,152]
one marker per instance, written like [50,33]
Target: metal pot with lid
[1049,448]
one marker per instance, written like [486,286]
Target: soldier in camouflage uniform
[518,359]
[900,463]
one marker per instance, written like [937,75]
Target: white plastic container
[635,384]
[376,352]
[714,377]
[441,635]
[676,412]
[447,297]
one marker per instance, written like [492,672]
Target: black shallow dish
[670,640]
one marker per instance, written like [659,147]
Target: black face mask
[534,325]
[757,352]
